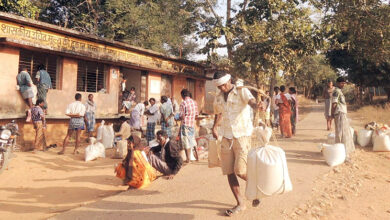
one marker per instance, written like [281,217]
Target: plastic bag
[267,172]
[94,150]
[100,131]
[121,149]
[331,138]
[108,136]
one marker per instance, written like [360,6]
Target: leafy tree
[25,8]
[81,15]
[312,75]
[273,35]
[163,26]
[359,37]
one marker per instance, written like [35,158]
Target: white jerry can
[267,172]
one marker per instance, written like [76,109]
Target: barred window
[32,59]
[91,77]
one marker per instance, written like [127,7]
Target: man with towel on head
[232,111]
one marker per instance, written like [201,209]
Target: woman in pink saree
[284,113]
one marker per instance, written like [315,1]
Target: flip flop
[60,153]
[255,202]
[233,211]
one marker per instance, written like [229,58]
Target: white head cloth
[222,80]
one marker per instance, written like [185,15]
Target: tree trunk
[388,93]
[228,37]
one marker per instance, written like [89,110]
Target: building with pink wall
[86,64]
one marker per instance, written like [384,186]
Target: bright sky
[220,9]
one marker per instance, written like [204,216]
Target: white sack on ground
[99,135]
[364,137]
[381,141]
[108,136]
[334,154]
[94,150]
[121,149]
[267,172]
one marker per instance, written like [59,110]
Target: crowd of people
[232,106]
[285,114]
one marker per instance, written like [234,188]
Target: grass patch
[366,114]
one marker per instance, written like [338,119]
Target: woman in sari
[294,109]
[284,113]
[135,169]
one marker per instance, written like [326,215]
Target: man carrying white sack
[232,109]
[339,113]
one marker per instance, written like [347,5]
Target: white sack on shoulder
[267,172]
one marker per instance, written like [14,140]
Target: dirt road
[45,185]
[198,192]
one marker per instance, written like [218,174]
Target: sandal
[234,211]
[60,153]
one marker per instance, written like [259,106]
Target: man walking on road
[339,113]
[232,108]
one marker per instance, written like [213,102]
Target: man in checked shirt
[188,113]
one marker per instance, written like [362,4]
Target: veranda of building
[86,64]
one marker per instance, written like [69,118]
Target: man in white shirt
[232,110]
[136,114]
[76,112]
[153,115]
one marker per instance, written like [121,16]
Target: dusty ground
[40,186]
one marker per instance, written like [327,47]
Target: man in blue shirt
[44,83]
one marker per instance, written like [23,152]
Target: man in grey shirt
[24,82]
